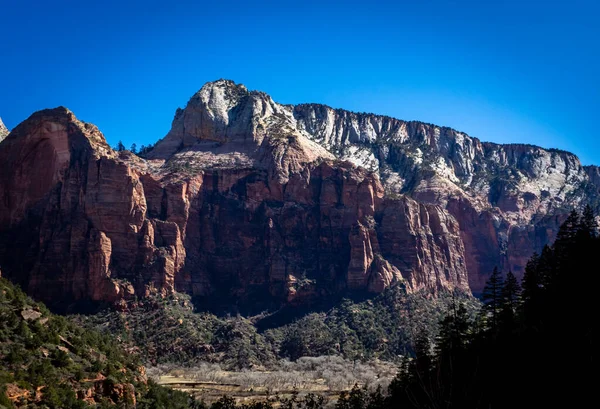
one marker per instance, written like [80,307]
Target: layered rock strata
[260,203]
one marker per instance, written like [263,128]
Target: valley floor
[327,376]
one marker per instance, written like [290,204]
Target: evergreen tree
[547,267]
[422,349]
[567,233]
[357,398]
[589,226]
[377,399]
[454,330]
[133,148]
[511,292]
[492,297]
[510,300]
[514,367]
[120,147]
[531,280]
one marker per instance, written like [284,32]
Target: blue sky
[504,71]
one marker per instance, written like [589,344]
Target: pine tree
[357,398]
[376,399]
[589,226]
[547,267]
[510,300]
[492,297]
[454,330]
[133,148]
[120,147]
[422,361]
[511,292]
[531,281]
[567,232]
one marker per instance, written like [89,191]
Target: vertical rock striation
[258,204]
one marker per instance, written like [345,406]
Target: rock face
[508,199]
[250,202]
[3,130]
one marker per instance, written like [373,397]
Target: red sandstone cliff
[253,202]
[80,222]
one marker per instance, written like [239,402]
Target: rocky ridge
[508,199]
[268,204]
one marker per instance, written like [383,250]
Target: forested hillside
[47,361]
[170,331]
[533,345]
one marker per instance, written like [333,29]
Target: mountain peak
[224,84]
[226,125]
[57,127]
[220,92]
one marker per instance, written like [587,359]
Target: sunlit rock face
[507,199]
[3,130]
[256,203]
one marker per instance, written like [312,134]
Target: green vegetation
[144,150]
[167,330]
[530,347]
[47,361]
[383,328]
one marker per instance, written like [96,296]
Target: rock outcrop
[254,203]
[71,213]
[508,199]
[226,126]
[80,222]
[3,130]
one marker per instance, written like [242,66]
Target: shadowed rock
[252,202]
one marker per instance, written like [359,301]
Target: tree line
[531,346]
[143,150]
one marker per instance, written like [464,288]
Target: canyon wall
[255,203]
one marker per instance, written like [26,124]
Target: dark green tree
[225,402]
[567,234]
[531,282]
[492,298]
[589,226]
[454,330]
[511,294]
[357,399]
[120,147]
[422,350]
[377,399]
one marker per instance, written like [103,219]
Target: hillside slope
[48,361]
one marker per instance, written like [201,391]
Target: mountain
[3,130]
[249,202]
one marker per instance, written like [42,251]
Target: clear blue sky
[504,71]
